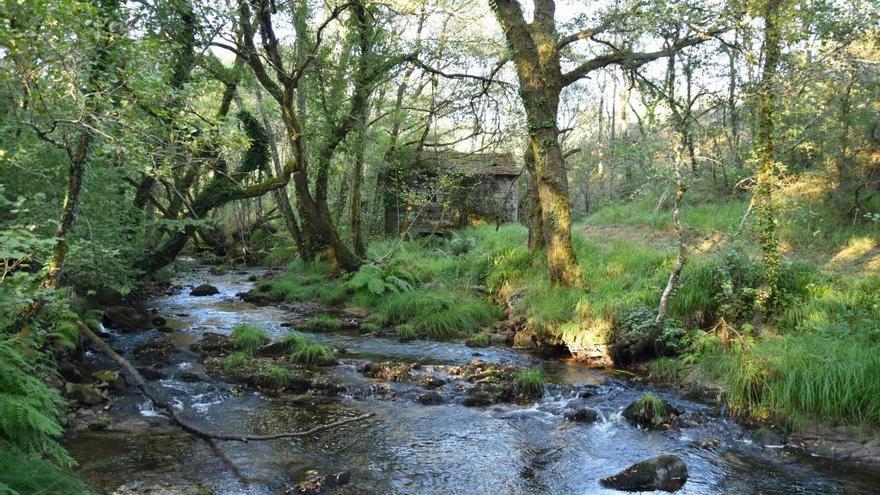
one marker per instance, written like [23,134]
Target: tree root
[184,424]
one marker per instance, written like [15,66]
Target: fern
[28,407]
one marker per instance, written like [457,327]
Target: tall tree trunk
[768,170]
[281,197]
[534,52]
[536,229]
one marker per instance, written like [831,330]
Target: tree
[535,48]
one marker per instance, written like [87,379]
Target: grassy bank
[811,357]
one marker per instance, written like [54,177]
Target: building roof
[473,163]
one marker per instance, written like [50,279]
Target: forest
[426,246]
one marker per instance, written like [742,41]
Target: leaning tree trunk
[281,196]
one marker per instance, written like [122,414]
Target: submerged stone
[666,472]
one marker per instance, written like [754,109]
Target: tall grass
[803,377]
[249,337]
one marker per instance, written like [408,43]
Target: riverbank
[809,365]
[424,435]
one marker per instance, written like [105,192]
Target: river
[407,447]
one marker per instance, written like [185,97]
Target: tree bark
[281,197]
[768,169]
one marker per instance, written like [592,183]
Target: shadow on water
[407,447]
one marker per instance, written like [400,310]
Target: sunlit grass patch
[249,337]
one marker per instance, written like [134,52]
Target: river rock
[204,290]
[767,437]
[156,349]
[665,472]
[316,483]
[581,415]
[641,412]
[430,398]
[69,371]
[126,319]
[84,394]
[112,379]
[214,344]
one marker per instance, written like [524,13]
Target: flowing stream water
[407,447]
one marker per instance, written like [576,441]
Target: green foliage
[530,381]
[795,378]
[649,410]
[666,369]
[25,474]
[249,338]
[462,245]
[236,360]
[371,327]
[634,324]
[313,354]
[270,375]
[29,409]
[406,332]
[479,339]
[322,323]
[380,281]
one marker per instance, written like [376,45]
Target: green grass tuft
[530,381]
[249,338]
[236,360]
[479,339]
[322,323]
[313,354]
[294,340]
[406,332]
[795,378]
[270,375]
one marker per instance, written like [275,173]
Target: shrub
[530,381]
[322,323]
[236,360]
[249,338]
[313,354]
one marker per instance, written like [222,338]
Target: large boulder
[204,290]
[666,472]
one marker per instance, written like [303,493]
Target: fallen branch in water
[183,423]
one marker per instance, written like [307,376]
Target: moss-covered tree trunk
[534,51]
[768,169]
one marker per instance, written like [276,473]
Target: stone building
[451,189]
